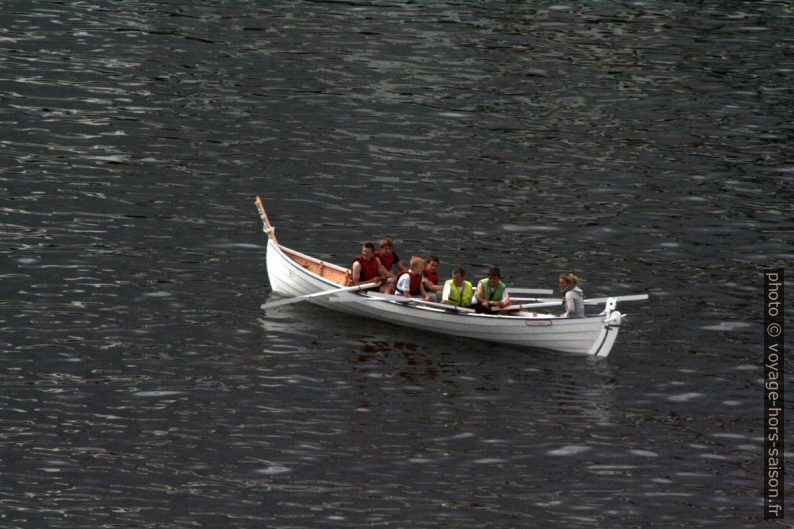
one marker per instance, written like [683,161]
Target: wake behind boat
[292,273]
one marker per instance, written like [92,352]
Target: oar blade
[636,297]
[280,303]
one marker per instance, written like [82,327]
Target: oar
[540,291]
[534,300]
[403,299]
[533,305]
[634,297]
[593,301]
[317,295]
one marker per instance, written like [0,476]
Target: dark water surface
[646,146]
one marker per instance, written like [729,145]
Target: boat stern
[611,319]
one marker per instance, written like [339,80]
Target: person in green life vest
[457,291]
[491,292]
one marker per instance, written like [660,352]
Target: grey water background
[646,146]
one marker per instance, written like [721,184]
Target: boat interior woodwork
[330,271]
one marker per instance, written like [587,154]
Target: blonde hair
[416,261]
[571,279]
[386,242]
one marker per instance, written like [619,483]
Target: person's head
[368,251]
[457,275]
[417,264]
[494,276]
[567,280]
[432,263]
[386,246]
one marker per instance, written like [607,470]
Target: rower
[572,296]
[491,292]
[367,268]
[389,259]
[410,283]
[457,291]
[430,274]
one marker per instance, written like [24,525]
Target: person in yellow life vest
[457,291]
[491,292]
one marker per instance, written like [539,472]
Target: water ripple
[642,146]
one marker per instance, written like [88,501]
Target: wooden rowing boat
[296,274]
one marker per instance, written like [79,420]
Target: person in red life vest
[389,260]
[411,282]
[367,268]
[430,274]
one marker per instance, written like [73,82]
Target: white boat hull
[590,335]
